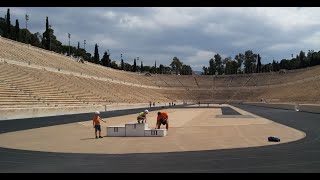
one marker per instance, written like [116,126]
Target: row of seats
[22,86]
[26,85]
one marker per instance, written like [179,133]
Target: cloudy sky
[194,35]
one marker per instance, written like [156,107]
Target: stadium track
[298,156]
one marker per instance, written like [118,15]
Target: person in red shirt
[96,123]
[162,119]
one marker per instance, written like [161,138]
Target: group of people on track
[162,118]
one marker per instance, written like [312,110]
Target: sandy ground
[190,130]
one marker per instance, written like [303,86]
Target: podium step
[135,130]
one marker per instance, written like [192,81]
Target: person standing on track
[96,123]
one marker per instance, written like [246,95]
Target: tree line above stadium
[47,40]
[248,62]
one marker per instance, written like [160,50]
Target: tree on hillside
[295,63]
[240,59]
[186,70]
[266,67]
[78,45]
[65,49]
[161,69]
[152,70]
[314,57]
[34,40]
[249,61]
[225,60]
[122,65]
[141,67]
[259,64]
[304,61]
[25,35]
[205,70]
[96,58]
[147,69]
[104,59]
[224,65]
[17,31]
[46,36]
[79,53]
[127,67]
[212,67]
[7,31]
[134,68]
[231,66]
[285,64]
[176,65]
[108,59]
[218,63]
[114,65]
[55,45]
[88,57]
[275,65]
[3,26]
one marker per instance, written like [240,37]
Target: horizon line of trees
[250,62]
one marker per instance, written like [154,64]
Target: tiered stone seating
[205,81]
[239,80]
[187,81]
[222,81]
[157,80]
[12,97]
[40,91]
[35,56]
[169,80]
[47,79]
[66,83]
[306,92]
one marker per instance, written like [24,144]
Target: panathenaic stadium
[218,123]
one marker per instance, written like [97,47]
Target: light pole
[27,19]
[122,66]
[69,35]
[137,63]
[215,87]
[212,87]
[108,60]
